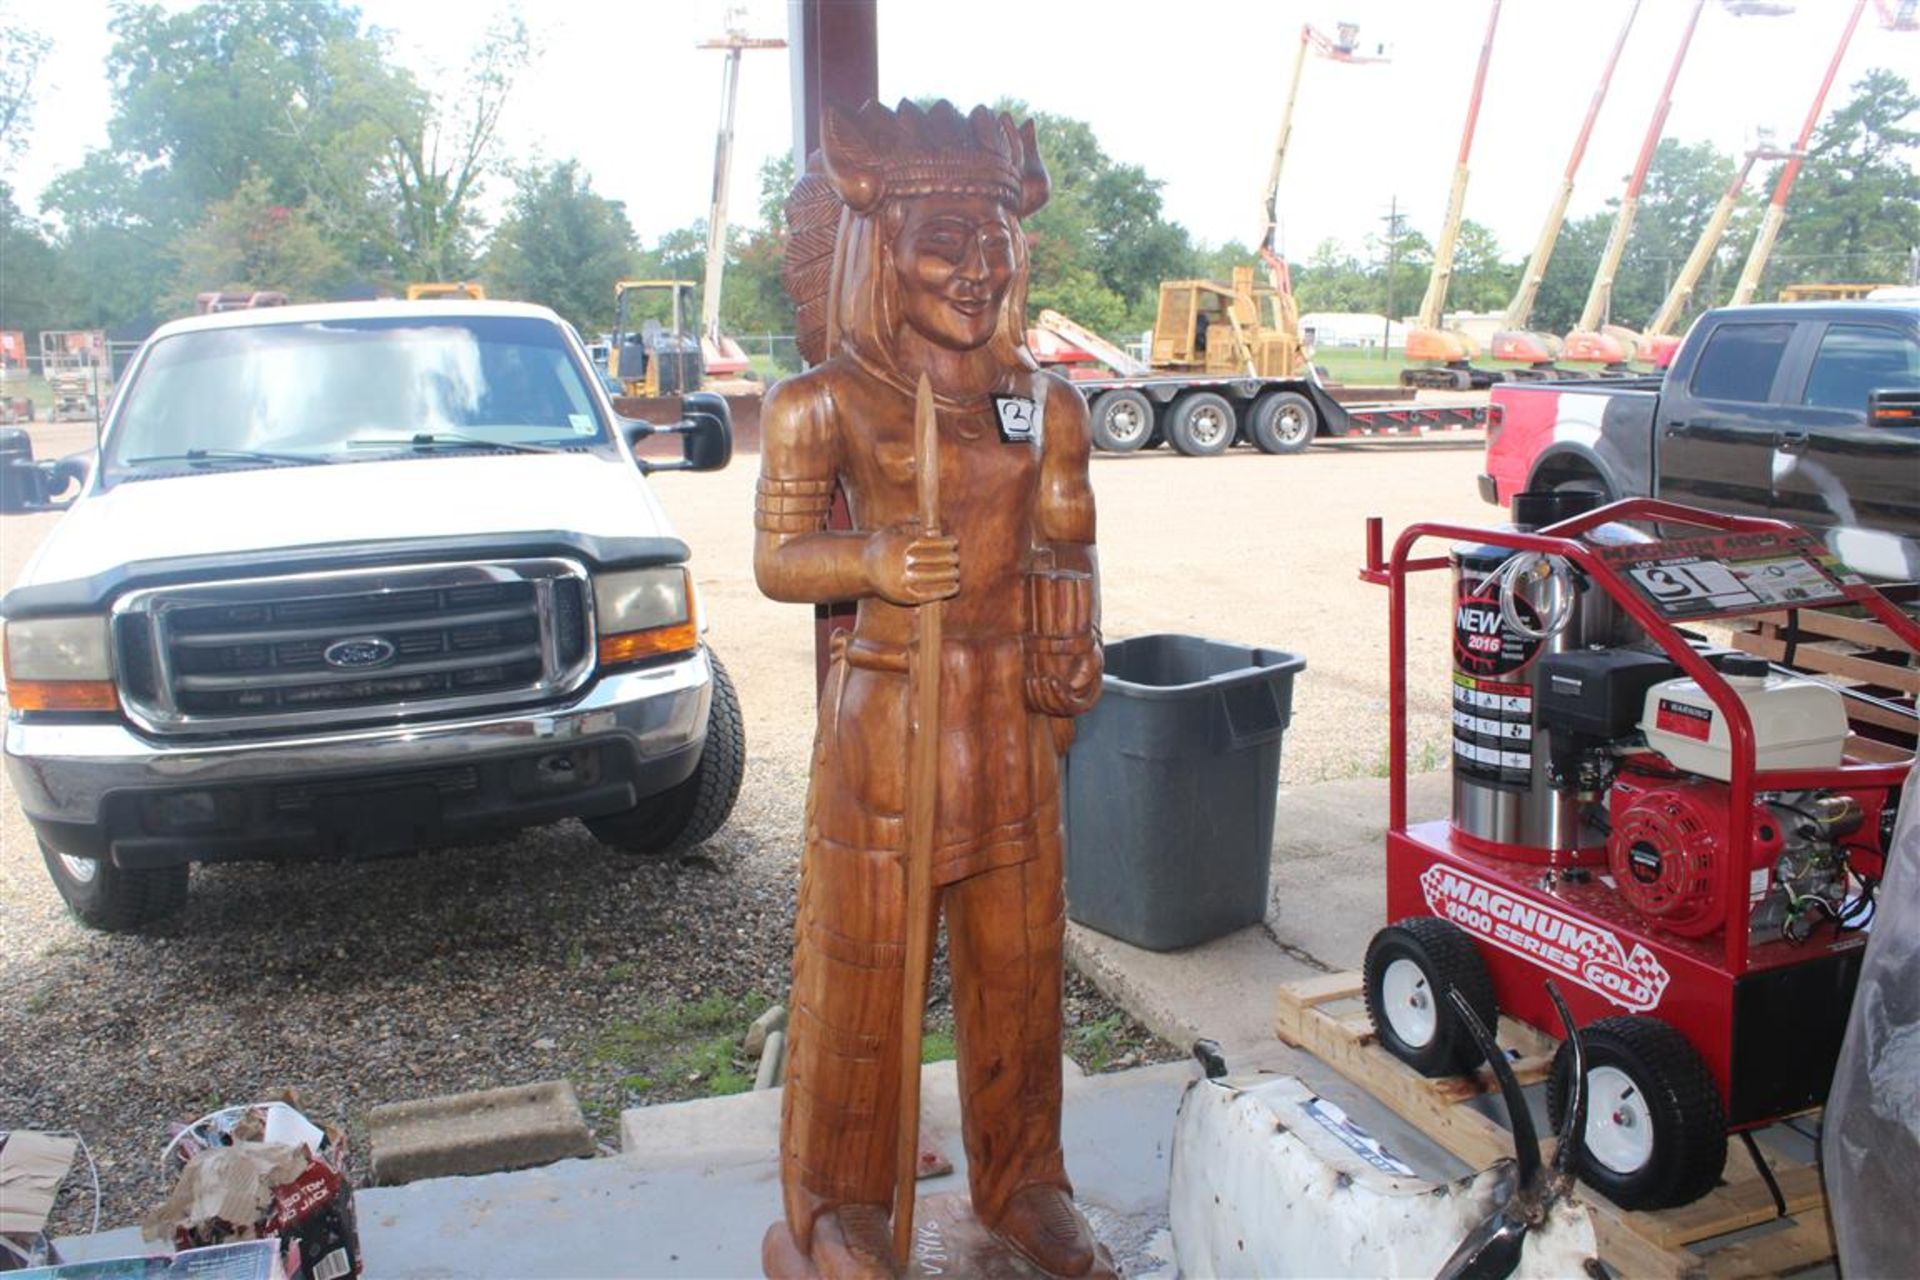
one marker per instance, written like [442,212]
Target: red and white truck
[1806,412]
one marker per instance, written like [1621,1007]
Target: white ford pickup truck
[346,580]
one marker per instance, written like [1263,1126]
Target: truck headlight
[644,613]
[59,664]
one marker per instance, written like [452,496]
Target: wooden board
[1854,652]
[1311,1016]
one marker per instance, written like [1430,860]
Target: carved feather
[813,223]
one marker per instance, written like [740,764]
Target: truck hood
[285,508]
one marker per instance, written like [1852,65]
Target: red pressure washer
[1672,831]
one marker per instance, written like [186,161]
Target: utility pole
[1394,232]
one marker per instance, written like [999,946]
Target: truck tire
[1567,473]
[1201,424]
[1409,969]
[1122,420]
[1656,1133]
[115,899]
[1283,422]
[685,815]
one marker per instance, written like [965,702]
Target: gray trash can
[1170,790]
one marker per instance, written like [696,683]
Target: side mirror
[73,470]
[1891,408]
[705,430]
[708,431]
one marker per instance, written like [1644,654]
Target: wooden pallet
[1856,652]
[1323,1016]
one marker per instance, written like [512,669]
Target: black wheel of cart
[1122,420]
[1656,1133]
[1283,422]
[1201,424]
[1409,969]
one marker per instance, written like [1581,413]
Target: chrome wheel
[1291,425]
[83,870]
[1208,426]
[1125,422]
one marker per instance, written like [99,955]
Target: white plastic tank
[1797,724]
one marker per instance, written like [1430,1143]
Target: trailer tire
[1283,422]
[1651,1107]
[1121,420]
[1201,424]
[1409,969]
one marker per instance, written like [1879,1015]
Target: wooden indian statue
[908,263]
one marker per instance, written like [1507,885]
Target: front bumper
[105,791]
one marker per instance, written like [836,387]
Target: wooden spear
[923,782]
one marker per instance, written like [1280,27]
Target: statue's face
[954,258]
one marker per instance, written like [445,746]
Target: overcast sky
[1191,91]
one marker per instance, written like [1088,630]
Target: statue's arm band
[791,506]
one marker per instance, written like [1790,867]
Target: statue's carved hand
[1064,685]
[906,567]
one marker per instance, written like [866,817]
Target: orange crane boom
[1428,341]
[1515,341]
[1586,343]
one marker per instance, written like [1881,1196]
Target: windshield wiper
[451,440]
[205,457]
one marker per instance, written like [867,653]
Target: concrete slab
[700,1184]
[1221,990]
[1327,891]
[482,1132]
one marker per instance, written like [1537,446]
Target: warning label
[1492,729]
[1684,719]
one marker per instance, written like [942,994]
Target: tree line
[255,144]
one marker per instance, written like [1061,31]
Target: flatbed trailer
[1202,415]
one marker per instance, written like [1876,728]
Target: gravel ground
[545,956]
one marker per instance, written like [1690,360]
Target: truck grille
[351,647]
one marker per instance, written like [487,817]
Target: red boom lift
[1682,837]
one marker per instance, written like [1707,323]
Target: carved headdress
[878,156]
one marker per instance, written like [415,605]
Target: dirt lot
[545,956]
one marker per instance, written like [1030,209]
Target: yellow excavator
[433,290]
[648,357]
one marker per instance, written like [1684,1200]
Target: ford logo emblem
[358,653]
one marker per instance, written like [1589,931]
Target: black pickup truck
[1803,412]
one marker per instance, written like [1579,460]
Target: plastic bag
[1871,1143]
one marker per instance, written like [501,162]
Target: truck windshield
[324,390]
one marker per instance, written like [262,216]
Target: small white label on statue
[1019,419]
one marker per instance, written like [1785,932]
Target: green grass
[688,1049]
[936,1045]
[1095,1044]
